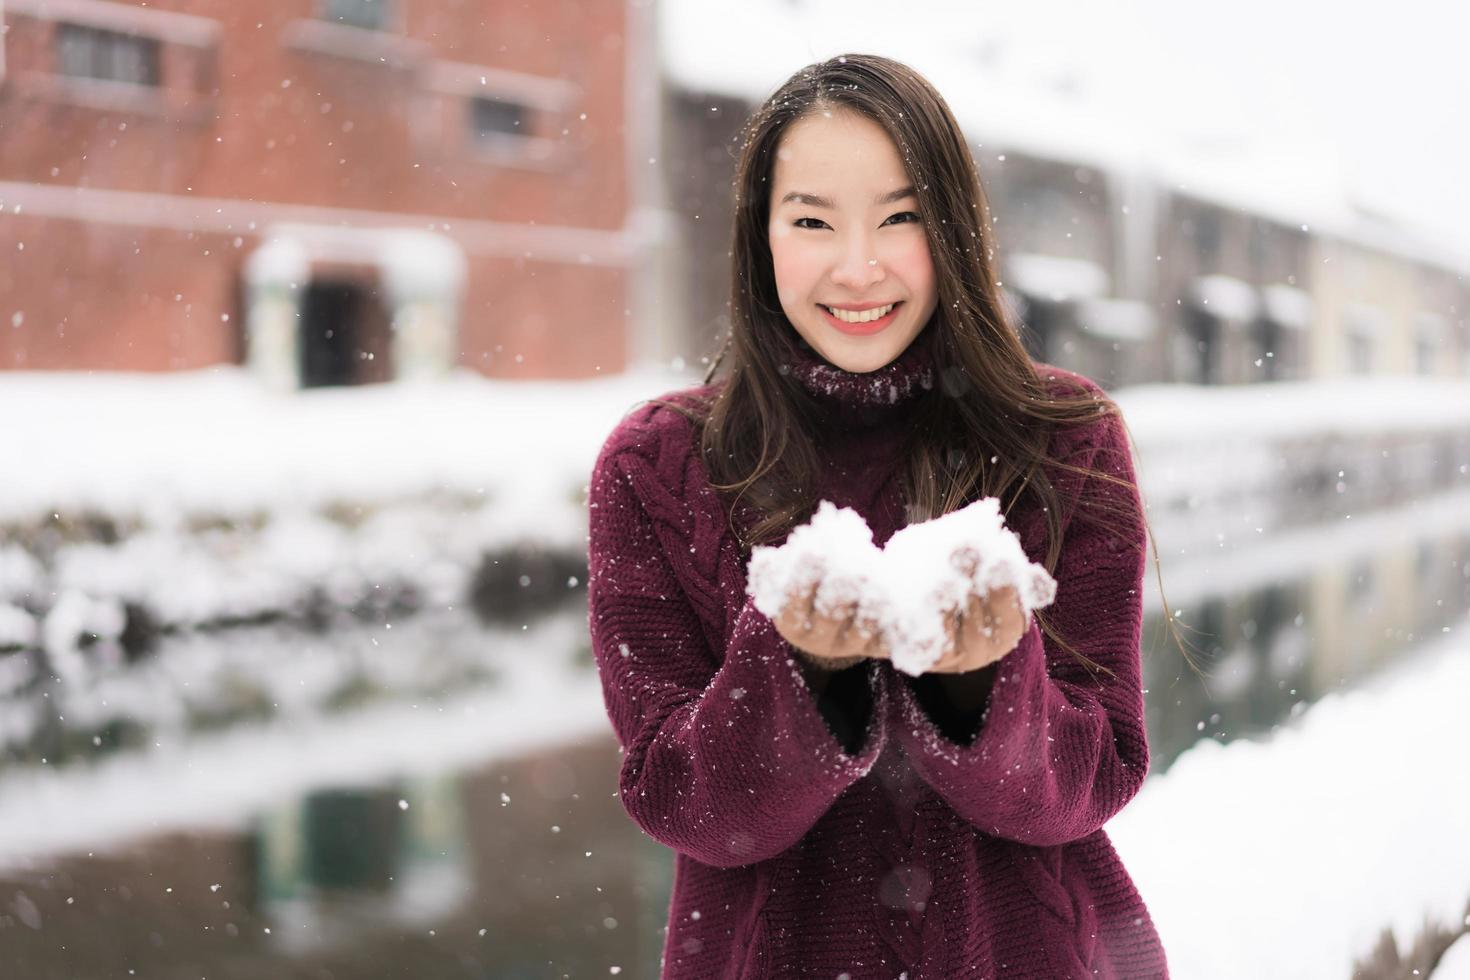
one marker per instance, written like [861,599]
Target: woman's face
[847,241]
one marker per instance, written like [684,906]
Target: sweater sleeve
[726,756]
[1059,749]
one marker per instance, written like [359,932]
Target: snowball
[925,571]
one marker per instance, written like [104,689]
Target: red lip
[862,329]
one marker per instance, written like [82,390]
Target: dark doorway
[1269,335]
[1203,332]
[344,334]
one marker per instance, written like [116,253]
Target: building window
[1057,222]
[1359,354]
[89,52]
[490,118]
[1429,332]
[370,15]
[1426,354]
[1363,326]
[1258,245]
[1360,581]
[1204,229]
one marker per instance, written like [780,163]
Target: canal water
[471,828]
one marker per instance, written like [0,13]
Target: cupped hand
[988,628]
[835,637]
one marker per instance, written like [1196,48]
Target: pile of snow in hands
[924,572]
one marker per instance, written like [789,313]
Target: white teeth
[852,316]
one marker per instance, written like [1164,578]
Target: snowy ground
[1286,858]
[160,447]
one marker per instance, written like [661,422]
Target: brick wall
[267,115]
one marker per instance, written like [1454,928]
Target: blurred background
[314,314]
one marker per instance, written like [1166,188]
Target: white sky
[1380,94]
[1385,84]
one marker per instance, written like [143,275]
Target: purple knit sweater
[874,831]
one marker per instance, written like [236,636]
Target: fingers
[987,629]
[797,621]
[960,642]
[794,618]
[824,631]
[949,663]
[872,640]
[808,602]
[861,635]
[1011,618]
[857,635]
[979,632]
[836,633]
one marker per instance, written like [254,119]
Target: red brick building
[331,191]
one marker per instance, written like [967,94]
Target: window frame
[387,21]
[525,112]
[546,105]
[105,44]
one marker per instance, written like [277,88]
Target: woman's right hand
[831,639]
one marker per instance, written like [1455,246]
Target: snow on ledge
[218,442]
[1129,320]
[1055,279]
[1288,306]
[1225,296]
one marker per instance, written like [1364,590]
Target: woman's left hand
[988,628]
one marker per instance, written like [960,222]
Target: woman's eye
[902,217]
[814,223]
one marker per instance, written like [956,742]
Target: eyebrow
[818,201]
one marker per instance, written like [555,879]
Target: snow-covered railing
[1222,465]
[251,504]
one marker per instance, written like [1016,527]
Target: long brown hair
[984,428]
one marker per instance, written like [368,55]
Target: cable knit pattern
[909,373]
[901,853]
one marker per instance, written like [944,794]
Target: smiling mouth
[861,316]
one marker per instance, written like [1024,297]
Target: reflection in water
[521,869]
[348,860]
[530,868]
[1271,649]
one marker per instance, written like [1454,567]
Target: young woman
[831,816]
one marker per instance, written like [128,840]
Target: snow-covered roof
[1055,279]
[1225,296]
[1287,305]
[1128,105]
[1129,320]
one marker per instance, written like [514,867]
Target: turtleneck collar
[874,393]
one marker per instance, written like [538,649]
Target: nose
[857,266]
